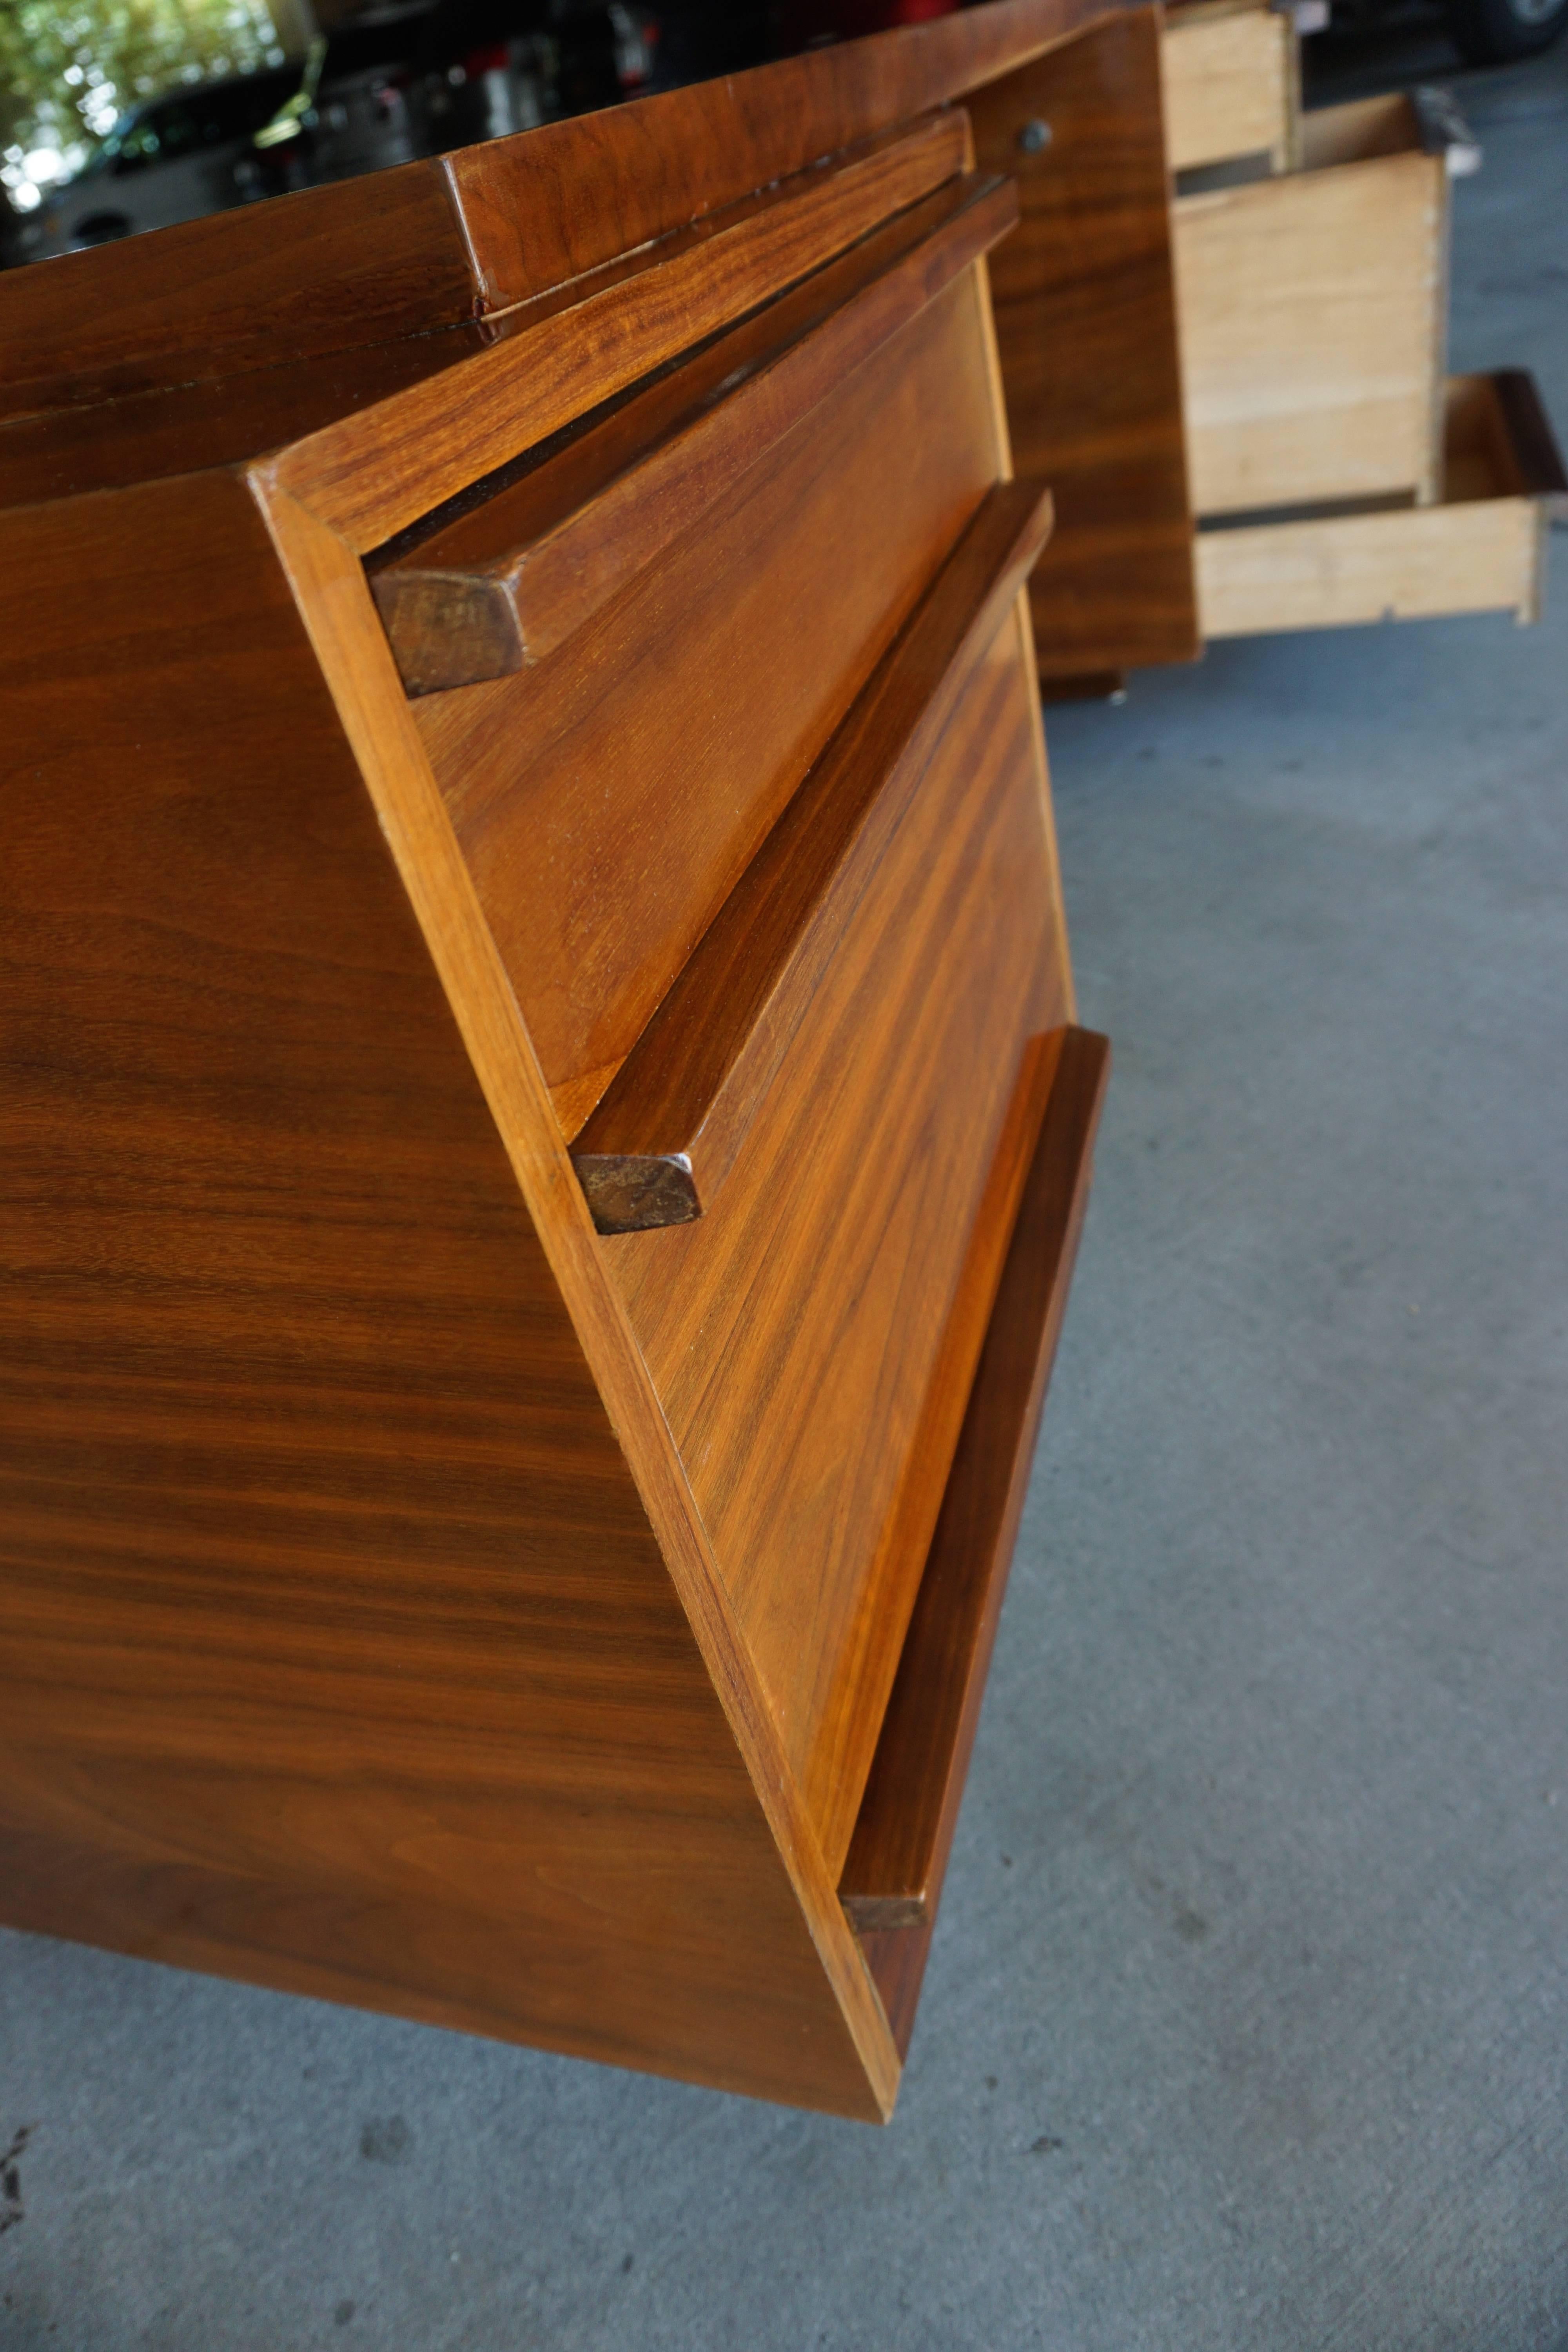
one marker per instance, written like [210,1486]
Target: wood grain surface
[666,1133]
[363,262]
[512,573]
[433,244]
[1232,86]
[1085,328]
[544,207]
[334,602]
[407,1593]
[226,420]
[814,1301]
[1312,312]
[896,1859]
[1388,124]
[336,1640]
[639,768]
[1481,549]
[549,360]
[239,415]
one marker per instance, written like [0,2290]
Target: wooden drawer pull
[892,1874]
[503,583]
[672,1120]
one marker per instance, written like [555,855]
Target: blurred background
[118,116]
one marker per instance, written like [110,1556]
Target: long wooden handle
[660,1141]
[506,581]
[892,1874]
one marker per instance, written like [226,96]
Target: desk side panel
[336,1651]
[1085,328]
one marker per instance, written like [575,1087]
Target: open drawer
[1230,70]
[1311,307]
[1482,548]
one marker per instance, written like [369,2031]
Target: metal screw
[1034,135]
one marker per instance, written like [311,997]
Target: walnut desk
[544,1131]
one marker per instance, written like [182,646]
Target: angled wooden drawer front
[662,1139]
[811,1336]
[1311,310]
[747,768]
[1482,550]
[609,793]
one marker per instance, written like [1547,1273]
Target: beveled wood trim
[636,171]
[893,1871]
[433,243]
[667,1130]
[334,598]
[364,261]
[506,581]
[371,474]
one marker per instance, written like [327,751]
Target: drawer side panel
[337,1649]
[1229,88]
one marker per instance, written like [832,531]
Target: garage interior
[1248,2023]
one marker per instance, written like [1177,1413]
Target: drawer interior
[1230,74]
[1480,548]
[1313,321]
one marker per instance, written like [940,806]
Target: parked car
[350,108]
[386,86]
[1485,32]
[356,108]
[170,158]
[1491,32]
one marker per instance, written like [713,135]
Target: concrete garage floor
[1247,2023]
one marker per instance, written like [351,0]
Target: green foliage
[68,68]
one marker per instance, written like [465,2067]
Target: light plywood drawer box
[1311,310]
[1231,74]
[1482,548]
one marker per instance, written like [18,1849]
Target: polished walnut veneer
[544,1127]
[1087,332]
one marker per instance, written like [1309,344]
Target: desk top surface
[444,242]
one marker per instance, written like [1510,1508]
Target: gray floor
[1248,2024]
